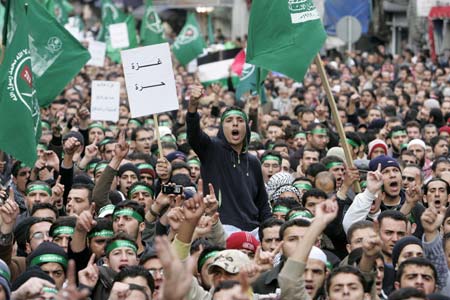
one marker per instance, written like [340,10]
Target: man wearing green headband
[20,176]
[62,231]
[106,148]
[397,138]
[37,192]
[141,193]
[96,131]
[225,163]
[270,164]
[318,137]
[194,166]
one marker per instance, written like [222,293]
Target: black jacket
[237,179]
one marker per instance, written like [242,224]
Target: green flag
[189,43]
[290,41]
[2,17]
[152,31]
[49,5]
[248,83]
[62,10]
[19,109]
[112,15]
[56,55]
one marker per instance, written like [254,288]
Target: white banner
[118,34]
[97,51]
[149,80]
[105,100]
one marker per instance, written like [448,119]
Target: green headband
[398,132]
[301,214]
[234,112]
[42,147]
[319,131]
[329,266]
[38,187]
[164,123]
[63,230]
[333,164]
[99,167]
[182,136]
[5,275]
[168,138]
[255,137]
[91,166]
[104,142]
[303,186]
[96,125]
[128,212]
[139,188]
[363,184]
[145,166]
[280,209]
[109,209]
[120,244]
[194,161]
[102,233]
[206,257]
[300,135]
[149,121]
[353,143]
[46,125]
[50,290]
[135,122]
[49,258]
[271,157]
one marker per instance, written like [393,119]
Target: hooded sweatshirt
[237,178]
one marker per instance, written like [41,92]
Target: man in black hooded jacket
[225,163]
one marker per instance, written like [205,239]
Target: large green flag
[248,83]
[189,43]
[211,38]
[49,5]
[62,10]
[112,15]
[2,17]
[19,108]
[284,36]
[56,55]
[152,31]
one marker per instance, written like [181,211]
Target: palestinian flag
[215,67]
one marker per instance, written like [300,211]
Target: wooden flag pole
[158,138]
[335,115]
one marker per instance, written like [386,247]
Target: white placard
[119,35]
[97,51]
[105,100]
[149,80]
[424,6]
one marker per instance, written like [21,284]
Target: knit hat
[416,142]
[377,124]
[317,253]
[278,180]
[401,244]
[385,161]
[176,155]
[445,129]
[128,167]
[146,169]
[377,143]
[242,240]
[336,151]
[230,260]
[74,134]
[5,278]
[48,252]
[31,272]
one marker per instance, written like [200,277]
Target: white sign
[424,6]
[105,101]
[149,80]
[97,51]
[119,35]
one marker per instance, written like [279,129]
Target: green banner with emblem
[152,31]
[19,108]
[189,44]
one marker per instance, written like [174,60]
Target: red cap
[242,240]
[444,129]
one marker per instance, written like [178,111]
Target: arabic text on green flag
[113,15]
[56,55]
[152,31]
[189,43]
[19,108]
[290,41]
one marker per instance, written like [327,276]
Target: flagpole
[158,139]
[335,115]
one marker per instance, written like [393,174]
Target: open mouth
[309,288]
[394,186]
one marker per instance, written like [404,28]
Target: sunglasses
[410,179]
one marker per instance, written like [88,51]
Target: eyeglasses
[40,235]
[153,272]
[410,179]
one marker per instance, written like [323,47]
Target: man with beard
[398,138]
[417,147]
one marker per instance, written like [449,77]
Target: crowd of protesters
[244,200]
